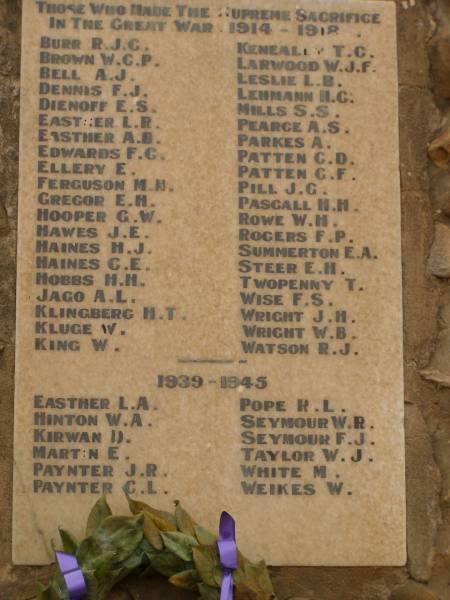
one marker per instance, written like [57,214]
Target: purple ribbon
[226,545]
[73,575]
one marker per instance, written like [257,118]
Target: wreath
[153,541]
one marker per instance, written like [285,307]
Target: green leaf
[186,579]
[179,543]
[109,572]
[166,563]
[185,523]
[120,534]
[99,512]
[54,591]
[107,581]
[242,561]
[91,556]
[256,578]
[243,592]
[238,575]
[207,592]
[69,543]
[43,593]
[101,555]
[94,586]
[205,537]
[163,524]
[100,582]
[162,519]
[206,560]
[88,551]
[48,594]
[151,532]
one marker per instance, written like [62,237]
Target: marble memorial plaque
[209,273]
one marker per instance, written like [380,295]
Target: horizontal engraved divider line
[221,361]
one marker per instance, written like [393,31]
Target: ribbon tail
[76,585]
[72,575]
[226,590]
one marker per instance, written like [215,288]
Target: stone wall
[424,67]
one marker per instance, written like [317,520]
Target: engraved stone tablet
[209,281]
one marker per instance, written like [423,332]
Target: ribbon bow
[72,574]
[226,545]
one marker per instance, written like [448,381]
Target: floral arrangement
[152,541]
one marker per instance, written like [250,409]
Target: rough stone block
[412,29]
[423,483]
[439,260]
[412,591]
[418,116]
